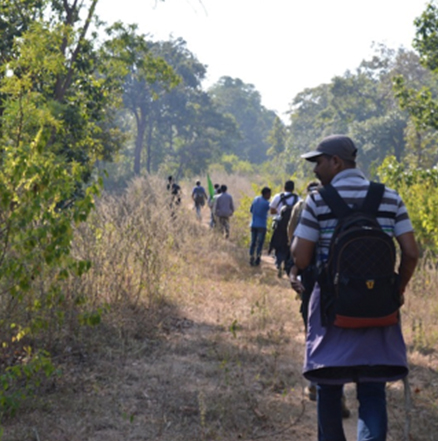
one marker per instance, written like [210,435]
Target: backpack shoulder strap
[295,199]
[332,198]
[373,198]
[284,197]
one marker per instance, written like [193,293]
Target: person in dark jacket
[199,196]
[281,208]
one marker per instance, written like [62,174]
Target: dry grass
[196,344]
[420,326]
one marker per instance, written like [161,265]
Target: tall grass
[155,269]
[145,259]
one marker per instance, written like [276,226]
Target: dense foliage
[53,66]
[360,104]
[420,99]
[59,92]
[416,186]
[254,121]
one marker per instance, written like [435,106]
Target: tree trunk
[149,149]
[141,128]
[399,147]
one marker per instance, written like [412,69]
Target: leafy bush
[242,219]
[417,187]
[38,209]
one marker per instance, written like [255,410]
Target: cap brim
[311,156]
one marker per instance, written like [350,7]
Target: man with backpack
[281,207]
[199,197]
[342,344]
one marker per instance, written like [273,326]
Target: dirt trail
[350,424]
[216,366]
[306,429]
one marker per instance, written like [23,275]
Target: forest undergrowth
[191,343]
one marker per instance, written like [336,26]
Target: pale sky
[279,46]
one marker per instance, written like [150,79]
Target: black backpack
[282,219]
[174,189]
[359,285]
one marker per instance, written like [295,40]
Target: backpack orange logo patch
[370,284]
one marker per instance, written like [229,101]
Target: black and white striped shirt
[352,186]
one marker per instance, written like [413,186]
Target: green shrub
[417,188]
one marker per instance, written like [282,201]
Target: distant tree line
[385,105]
[364,105]
[103,93]
[183,128]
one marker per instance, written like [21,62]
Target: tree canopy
[361,104]
[54,77]
[243,102]
[419,99]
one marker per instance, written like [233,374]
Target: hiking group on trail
[220,203]
[221,206]
[337,247]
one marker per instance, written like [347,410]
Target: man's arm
[274,205]
[297,286]
[302,252]
[293,221]
[215,205]
[409,259]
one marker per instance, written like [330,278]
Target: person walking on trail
[335,355]
[199,197]
[223,210]
[175,194]
[303,282]
[211,204]
[297,209]
[281,208]
[259,210]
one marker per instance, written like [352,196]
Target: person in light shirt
[334,356]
